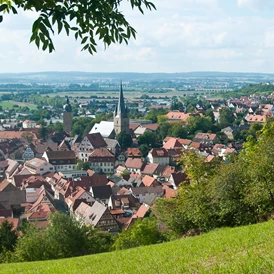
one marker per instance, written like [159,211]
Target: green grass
[9,104]
[248,249]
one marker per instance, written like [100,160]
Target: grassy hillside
[248,249]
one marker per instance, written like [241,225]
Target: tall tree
[8,236]
[124,139]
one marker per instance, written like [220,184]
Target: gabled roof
[133,152]
[150,168]
[101,155]
[158,152]
[172,143]
[176,115]
[152,127]
[57,155]
[101,192]
[136,163]
[147,190]
[6,185]
[91,214]
[149,181]
[96,140]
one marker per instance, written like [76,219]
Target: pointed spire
[121,109]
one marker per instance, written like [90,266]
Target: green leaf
[36,24]
[44,30]
[84,40]
[3,7]
[14,10]
[60,26]
[37,41]
[1,18]
[45,45]
[85,47]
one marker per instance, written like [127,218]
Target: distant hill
[246,249]
[87,77]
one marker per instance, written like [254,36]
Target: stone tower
[121,118]
[67,117]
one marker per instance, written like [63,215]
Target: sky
[180,36]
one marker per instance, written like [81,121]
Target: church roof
[104,127]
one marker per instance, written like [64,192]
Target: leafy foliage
[8,236]
[87,20]
[220,194]
[124,139]
[65,237]
[142,232]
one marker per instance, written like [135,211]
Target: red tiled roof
[134,163]
[133,152]
[149,181]
[101,155]
[152,127]
[174,115]
[159,152]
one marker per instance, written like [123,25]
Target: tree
[226,117]
[87,20]
[64,237]
[124,139]
[43,132]
[149,138]
[142,232]
[8,236]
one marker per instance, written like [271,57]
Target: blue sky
[181,36]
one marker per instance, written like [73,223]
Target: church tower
[121,117]
[67,117]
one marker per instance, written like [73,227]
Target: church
[120,122]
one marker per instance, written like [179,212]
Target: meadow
[8,104]
[247,249]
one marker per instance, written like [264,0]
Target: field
[9,104]
[246,249]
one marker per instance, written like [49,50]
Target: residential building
[61,160]
[102,160]
[158,156]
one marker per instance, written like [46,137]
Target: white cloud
[255,4]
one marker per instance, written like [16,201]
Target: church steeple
[121,119]
[121,109]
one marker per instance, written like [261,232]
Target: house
[158,156]
[101,193]
[113,146]
[79,194]
[177,178]
[38,166]
[254,118]
[149,181]
[133,152]
[176,143]
[98,216]
[29,124]
[123,201]
[12,169]
[142,192]
[206,139]
[40,211]
[89,143]
[135,164]
[61,160]
[11,196]
[37,149]
[101,160]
